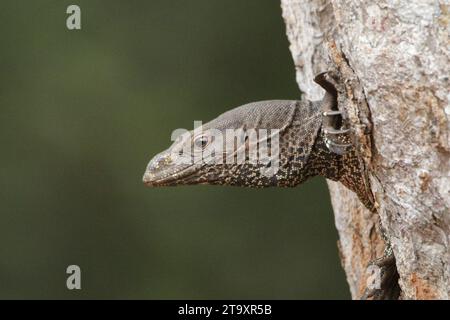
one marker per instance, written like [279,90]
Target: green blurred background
[82,112]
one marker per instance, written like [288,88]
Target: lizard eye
[201,142]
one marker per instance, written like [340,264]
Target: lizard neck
[344,168]
[323,162]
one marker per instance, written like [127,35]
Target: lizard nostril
[158,162]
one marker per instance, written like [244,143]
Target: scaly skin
[303,153]
[306,149]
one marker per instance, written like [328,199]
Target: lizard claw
[384,276]
[335,136]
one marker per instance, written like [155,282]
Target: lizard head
[240,147]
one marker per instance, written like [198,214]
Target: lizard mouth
[169,177]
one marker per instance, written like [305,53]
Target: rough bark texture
[394,58]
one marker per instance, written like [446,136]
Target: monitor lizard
[313,140]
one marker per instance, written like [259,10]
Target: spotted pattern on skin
[303,153]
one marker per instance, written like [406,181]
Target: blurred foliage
[82,112]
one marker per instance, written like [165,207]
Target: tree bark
[393,56]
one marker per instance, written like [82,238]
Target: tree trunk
[393,56]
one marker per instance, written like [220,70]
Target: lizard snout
[156,168]
[165,168]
